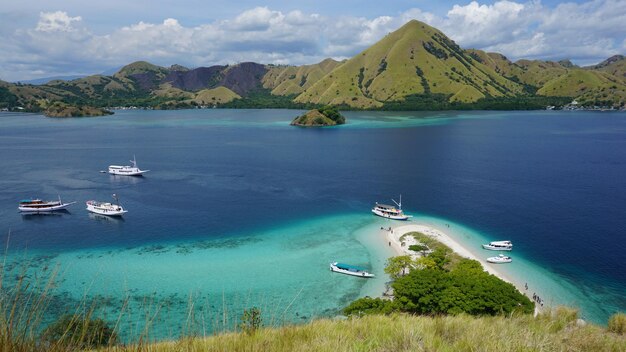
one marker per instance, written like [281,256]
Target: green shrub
[369,305]
[78,331]
[332,113]
[617,323]
[251,320]
[418,248]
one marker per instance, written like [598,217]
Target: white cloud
[257,19]
[57,21]
[61,43]
[479,25]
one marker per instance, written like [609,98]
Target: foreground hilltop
[551,332]
[416,67]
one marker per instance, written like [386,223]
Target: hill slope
[589,87]
[415,59]
[412,333]
[290,80]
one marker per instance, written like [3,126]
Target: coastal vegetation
[617,323]
[442,282]
[417,67]
[325,116]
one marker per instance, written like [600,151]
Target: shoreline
[392,235]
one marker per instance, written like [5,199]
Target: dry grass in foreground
[553,331]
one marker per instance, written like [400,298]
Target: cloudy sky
[43,38]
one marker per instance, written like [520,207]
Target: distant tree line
[436,102]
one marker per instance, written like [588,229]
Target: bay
[241,209]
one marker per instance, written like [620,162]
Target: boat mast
[398,204]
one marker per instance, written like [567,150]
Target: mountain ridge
[416,63]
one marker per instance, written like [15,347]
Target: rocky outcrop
[65,110]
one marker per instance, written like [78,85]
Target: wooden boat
[108,209]
[40,206]
[390,211]
[127,170]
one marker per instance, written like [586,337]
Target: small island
[326,116]
[59,109]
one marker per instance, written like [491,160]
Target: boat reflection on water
[106,219]
[43,216]
[126,180]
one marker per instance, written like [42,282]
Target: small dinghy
[501,259]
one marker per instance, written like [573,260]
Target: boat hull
[361,274]
[390,216]
[127,172]
[498,261]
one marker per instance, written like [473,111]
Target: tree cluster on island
[324,116]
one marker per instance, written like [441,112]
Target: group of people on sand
[537,299]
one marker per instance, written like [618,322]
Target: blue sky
[43,38]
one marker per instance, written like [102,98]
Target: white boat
[40,206]
[501,259]
[127,170]
[107,209]
[390,211]
[499,246]
[349,270]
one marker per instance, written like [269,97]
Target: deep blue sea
[240,209]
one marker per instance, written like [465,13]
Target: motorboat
[350,270]
[501,259]
[40,206]
[390,211]
[499,246]
[127,170]
[108,209]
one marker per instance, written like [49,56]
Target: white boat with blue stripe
[350,270]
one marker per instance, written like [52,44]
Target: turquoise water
[554,289]
[283,270]
[242,210]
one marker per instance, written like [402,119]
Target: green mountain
[415,67]
[415,59]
